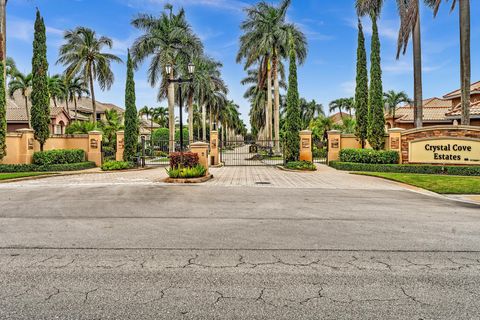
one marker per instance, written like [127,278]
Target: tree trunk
[269,100]
[27,111]
[92,92]
[417,74]
[171,114]
[204,123]
[276,88]
[465,63]
[210,120]
[190,117]
[75,102]
[66,104]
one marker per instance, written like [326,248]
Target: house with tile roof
[438,111]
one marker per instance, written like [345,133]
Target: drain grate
[262,182]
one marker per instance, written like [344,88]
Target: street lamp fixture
[180,81]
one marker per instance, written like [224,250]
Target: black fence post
[143,152]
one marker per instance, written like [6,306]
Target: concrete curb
[188,181]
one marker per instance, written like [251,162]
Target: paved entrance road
[122,246]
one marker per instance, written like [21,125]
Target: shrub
[46,168]
[407,168]
[163,134]
[183,160]
[186,173]
[59,157]
[116,165]
[319,152]
[369,156]
[301,165]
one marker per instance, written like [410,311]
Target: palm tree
[160,116]
[409,11]
[75,87]
[265,41]
[347,104]
[11,67]
[197,120]
[56,88]
[113,122]
[83,55]
[310,110]
[392,100]
[465,59]
[170,40]
[23,83]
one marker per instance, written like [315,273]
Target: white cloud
[388,29]
[22,29]
[230,5]
[348,87]
[404,67]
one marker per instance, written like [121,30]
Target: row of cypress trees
[370,120]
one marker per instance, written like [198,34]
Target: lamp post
[180,81]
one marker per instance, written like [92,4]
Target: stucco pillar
[120,145]
[214,154]
[306,146]
[25,155]
[95,147]
[395,141]
[334,145]
[201,148]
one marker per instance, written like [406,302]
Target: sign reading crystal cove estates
[445,151]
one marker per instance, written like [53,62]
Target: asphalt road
[150,251]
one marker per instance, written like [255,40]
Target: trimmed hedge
[407,168]
[58,157]
[46,168]
[183,160]
[369,156]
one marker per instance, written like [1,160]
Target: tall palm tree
[169,40]
[56,88]
[310,110]
[197,120]
[265,41]
[75,88]
[161,116]
[23,83]
[465,58]
[148,113]
[392,100]
[409,11]
[82,55]
[347,104]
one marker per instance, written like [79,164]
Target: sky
[330,27]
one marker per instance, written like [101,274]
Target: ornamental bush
[187,173]
[369,156]
[301,165]
[5,168]
[116,165]
[407,168]
[58,157]
[183,160]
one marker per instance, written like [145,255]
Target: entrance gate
[251,153]
[319,151]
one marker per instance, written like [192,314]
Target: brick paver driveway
[324,245]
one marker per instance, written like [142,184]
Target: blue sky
[330,27]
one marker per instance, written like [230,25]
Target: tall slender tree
[392,100]
[40,113]
[376,118]
[75,88]
[293,117]
[83,55]
[361,89]
[131,117]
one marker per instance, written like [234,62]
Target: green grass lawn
[16,175]
[436,183]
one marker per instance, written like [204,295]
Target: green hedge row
[116,165]
[407,168]
[58,157]
[46,168]
[369,156]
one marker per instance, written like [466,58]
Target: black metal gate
[155,153]
[319,151]
[251,153]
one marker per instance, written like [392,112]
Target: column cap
[334,131]
[121,131]
[25,130]
[94,132]
[305,132]
[199,144]
[396,130]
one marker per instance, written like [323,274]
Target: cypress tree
[3,105]
[40,113]
[131,118]
[293,118]
[376,118]
[361,90]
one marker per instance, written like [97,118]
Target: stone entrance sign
[445,151]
